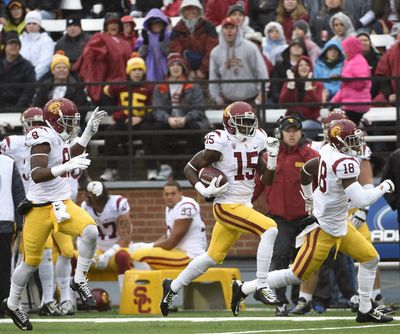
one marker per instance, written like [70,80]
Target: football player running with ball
[48,205]
[236,151]
[338,189]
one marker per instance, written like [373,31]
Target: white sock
[141,265]
[264,255]
[281,278]
[376,292]
[121,281]
[195,268]
[46,274]
[82,268]
[63,274]
[249,287]
[307,296]
[19,280]
[366,278]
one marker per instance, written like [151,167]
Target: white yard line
[191,319]
[306,329]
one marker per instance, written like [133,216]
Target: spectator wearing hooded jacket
[15,69]
[290,57]
[355,66]
[288,12]
[36,44]
[154,44]
[320,28]
[104,58]
[301,29]
[341,26]
[194,37]
[329,65]
[216,10]
[13,18]
[275,42]
[303,91]
[235,58]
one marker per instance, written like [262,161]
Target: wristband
[307,190]
[58,170]
[85,138]
[271,162]
[200,187]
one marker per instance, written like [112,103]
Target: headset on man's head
[281,121]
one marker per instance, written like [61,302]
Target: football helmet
[240,120]
[332,116]
[103,301]
[344,135]
[62,116]
[30,116]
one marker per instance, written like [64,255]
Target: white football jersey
[58,188]
[106,220]
[194,242]
[238,162]
[14,146]
[330,201]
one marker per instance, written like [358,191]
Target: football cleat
[373,316]
[237,297]
[281,311]
[82,288]
[50,308]
[19,317]
[167,297]
[266,296]
[67,308]
[302,307]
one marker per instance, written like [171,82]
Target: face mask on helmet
[70,125]
[245,125]
[352,144]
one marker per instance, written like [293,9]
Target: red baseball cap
[229,21]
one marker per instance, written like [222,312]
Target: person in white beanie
[36,45]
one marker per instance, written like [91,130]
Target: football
[206,175]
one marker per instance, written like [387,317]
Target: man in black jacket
[14,69]
[390,171]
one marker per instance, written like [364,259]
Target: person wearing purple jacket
[355,66]
[154,44]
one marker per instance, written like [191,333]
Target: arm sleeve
[18,194]
[361,197]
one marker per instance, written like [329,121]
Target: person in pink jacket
[355,66]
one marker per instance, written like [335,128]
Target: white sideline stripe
[306,329]
[192,319]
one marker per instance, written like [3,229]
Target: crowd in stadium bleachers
[296,39]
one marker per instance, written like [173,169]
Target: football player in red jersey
[338,188]
[48,205]
[238,153]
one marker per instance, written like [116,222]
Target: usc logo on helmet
[336,131]
[227,110]
[54,107]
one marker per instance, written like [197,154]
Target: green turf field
[249,321]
